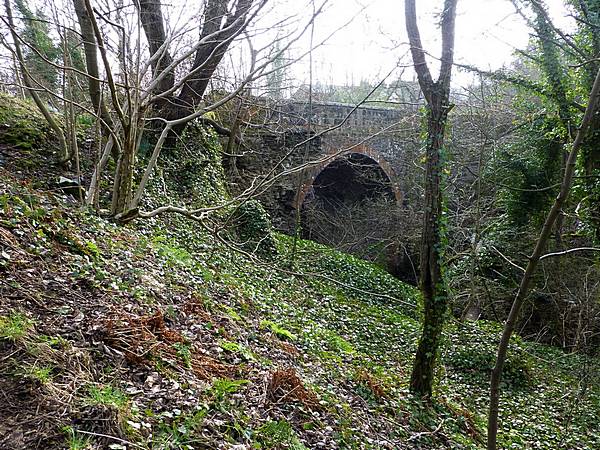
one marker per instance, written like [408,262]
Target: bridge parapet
[330,114]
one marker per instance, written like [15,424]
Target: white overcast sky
[487,33]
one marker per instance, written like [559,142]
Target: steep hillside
[163,335]
[145,337]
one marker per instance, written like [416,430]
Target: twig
[505,258]
[107,436]
[416,436]
[571,250]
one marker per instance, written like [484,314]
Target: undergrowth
[201,345]
[158,335]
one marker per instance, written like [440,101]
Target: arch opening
[352,178]
[353,205]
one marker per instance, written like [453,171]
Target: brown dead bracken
[144,339]
[374,385]
[289,348]
[197,307]
[285,386]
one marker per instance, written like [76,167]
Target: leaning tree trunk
[433,289]
[534,259]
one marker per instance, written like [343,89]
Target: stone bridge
[306,140]
[331,154]
[326,156]
[329,158]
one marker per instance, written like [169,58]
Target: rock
[71,187]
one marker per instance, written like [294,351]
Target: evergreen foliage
[40,49]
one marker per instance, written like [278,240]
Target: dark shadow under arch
[334,156]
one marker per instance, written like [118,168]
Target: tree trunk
[152,21]
[91,65]
[91,57]
[223,21]
[123,182]
[433,289]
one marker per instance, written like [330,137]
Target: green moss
[234,347]
[21,125]
[278,330]
[338,343]
[345,316]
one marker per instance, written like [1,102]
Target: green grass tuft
[14,326]
[106,396]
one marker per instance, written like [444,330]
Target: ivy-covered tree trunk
[433,289]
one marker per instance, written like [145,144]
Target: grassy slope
[77,355]
[158,336]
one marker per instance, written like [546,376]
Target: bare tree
[148,78]
[437,96]
[222,22]
[171,98]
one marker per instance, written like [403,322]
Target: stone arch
[332,155]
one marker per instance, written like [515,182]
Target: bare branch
[568,252]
